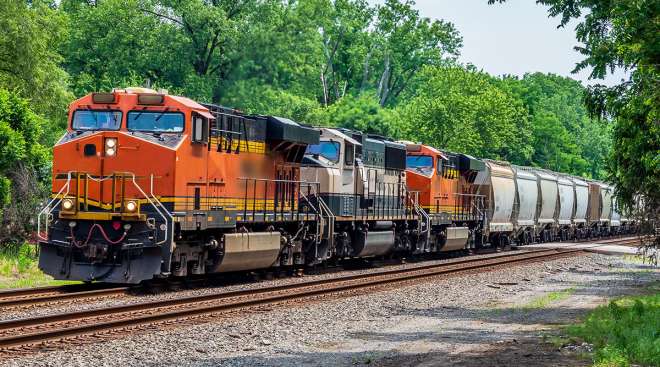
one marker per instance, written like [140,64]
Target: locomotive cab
[441,182]
[113,175]
[332,163]
[357,173]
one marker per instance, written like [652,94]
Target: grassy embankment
[548,298]
[18,269]
[625,332]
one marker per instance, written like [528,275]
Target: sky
[511,38]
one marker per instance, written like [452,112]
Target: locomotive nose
[100,157]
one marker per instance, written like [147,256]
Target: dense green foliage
[30,61]
[19,269]
[382,69]
[468,111]
[316,49]
[623,34]
[564,137]
[625,332]
[24,165]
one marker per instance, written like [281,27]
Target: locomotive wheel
[504,242]
[495,241]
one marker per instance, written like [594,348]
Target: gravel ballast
[437,322]
[244,283]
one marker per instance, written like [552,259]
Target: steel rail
[25,297]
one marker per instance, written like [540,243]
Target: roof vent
[138,90]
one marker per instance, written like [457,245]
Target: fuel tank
[373,243]
[457,238]
[248,251]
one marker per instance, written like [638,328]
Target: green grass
[19,269]
[635,259]
[624,332]
[558,341]
[548,298]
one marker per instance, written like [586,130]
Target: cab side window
[349,156]
[200,129]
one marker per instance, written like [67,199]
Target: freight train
[149,185]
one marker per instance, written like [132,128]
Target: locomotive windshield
[96,120]
[423,163]
[327,149]
[155,121]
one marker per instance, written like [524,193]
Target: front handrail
[413,198]
[158,208]
[48,210]
[325,213]
[152,199]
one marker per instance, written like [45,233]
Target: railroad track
[39,295]
[621,241]
[26,335]
[66,293]
[609,241]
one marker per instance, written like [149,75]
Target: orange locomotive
[442,182]
[146,184]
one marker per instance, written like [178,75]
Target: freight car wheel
[505,243]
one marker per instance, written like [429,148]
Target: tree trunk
[325,89]
[383,85]
[365,73]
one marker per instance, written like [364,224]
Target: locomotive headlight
[131,206]
[68,204]
[110,147]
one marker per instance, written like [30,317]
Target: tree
[251,97]
[565,138]
[347,48]
[463,110]
[407,42]
[284,53]
[187,45]
[362,113]
[29,61]
[100,55]
[24,167]
[622,34]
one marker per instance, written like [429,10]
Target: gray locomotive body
[362,186]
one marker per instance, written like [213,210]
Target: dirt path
[514,331]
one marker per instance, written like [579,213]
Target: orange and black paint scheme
[147,185]
[442,182]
